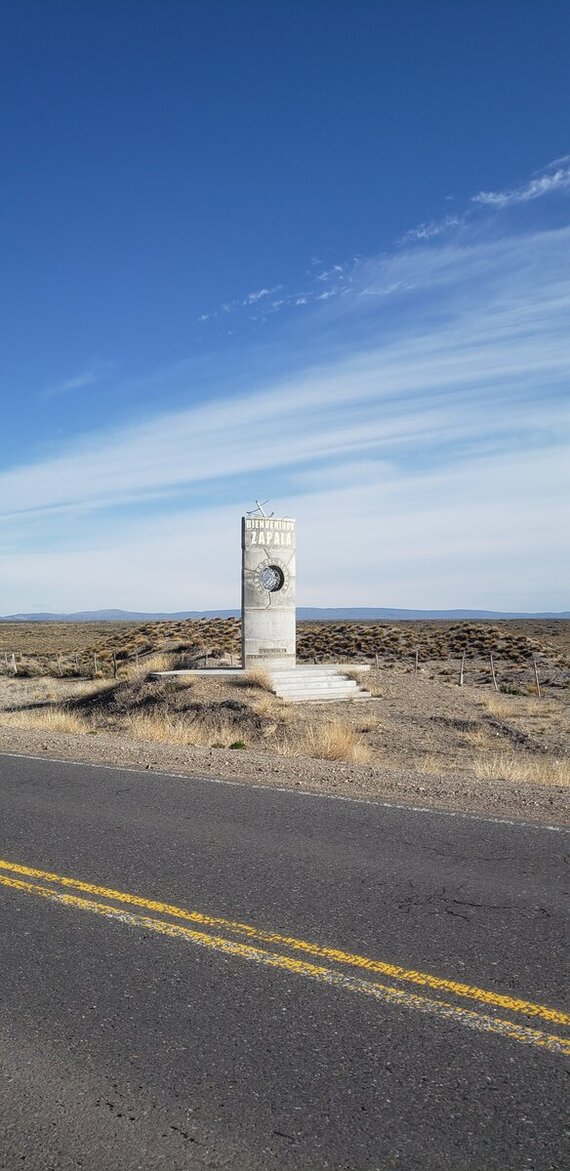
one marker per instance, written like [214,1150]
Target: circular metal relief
[271,577]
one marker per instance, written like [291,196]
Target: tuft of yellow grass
[265,705]
[357,674]
[158,727]
[257,677]
[146,666]
[330,740]
[49,719]
[504,708]
[433,765]
[478,738]
[177,729]
[506,766]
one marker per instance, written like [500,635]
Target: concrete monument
[268,591]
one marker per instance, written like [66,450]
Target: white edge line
[145,773]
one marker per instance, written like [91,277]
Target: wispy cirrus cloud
[480,533]
[78,382]
[476,353]
[86,378]
[554,179]
[241,302]
[433,228]
[264,303]
[421,409]
[339,278]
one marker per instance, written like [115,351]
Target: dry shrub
[531,770]
[477,738]
[369,725]
[258,678]
[265,705]
[356,674]
[433,766]
[504,709]
[30,669]
[501,708]
[49,719]
[199,732]
[159,727]
[146,666]
[330,740]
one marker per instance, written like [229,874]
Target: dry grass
[266,705]
[146,666]
[336,641]
[158,727]
[478,738]
[330,740]
[433,765]
[512,767]
[503,708]
[171,729]
[356,674]
[258,678]
[49,719]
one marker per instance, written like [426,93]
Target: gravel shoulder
[539,803]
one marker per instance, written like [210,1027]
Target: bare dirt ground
[422,739]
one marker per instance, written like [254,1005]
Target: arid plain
[84,690]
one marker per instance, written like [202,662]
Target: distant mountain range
[362,614]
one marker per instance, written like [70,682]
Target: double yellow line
[172,923]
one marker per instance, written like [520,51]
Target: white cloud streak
[88,377]
[433,228]
[459,380]
[433,439]
[483,535]
[554,180]
[339,278]
[79,382]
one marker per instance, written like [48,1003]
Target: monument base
[269,639]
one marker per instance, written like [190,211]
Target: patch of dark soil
[121,698]
[516,737]
[125,698]
[461,725]
[239,714]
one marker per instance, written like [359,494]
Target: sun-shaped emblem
[270,577]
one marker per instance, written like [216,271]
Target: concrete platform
[327,683]
[324,683]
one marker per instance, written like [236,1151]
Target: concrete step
[291,688]
[308,669]
[318,684]
[322,697]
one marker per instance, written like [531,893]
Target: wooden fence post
[493,671]
[114,665]
[462,669]
[536,676]
[416,663]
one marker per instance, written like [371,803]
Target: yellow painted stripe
[336,955]
[383,992]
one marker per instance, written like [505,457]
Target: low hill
[304,613]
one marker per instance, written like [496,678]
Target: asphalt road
[210,1003]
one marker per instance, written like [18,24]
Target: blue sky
[312,251]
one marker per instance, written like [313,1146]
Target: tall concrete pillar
[268,591]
